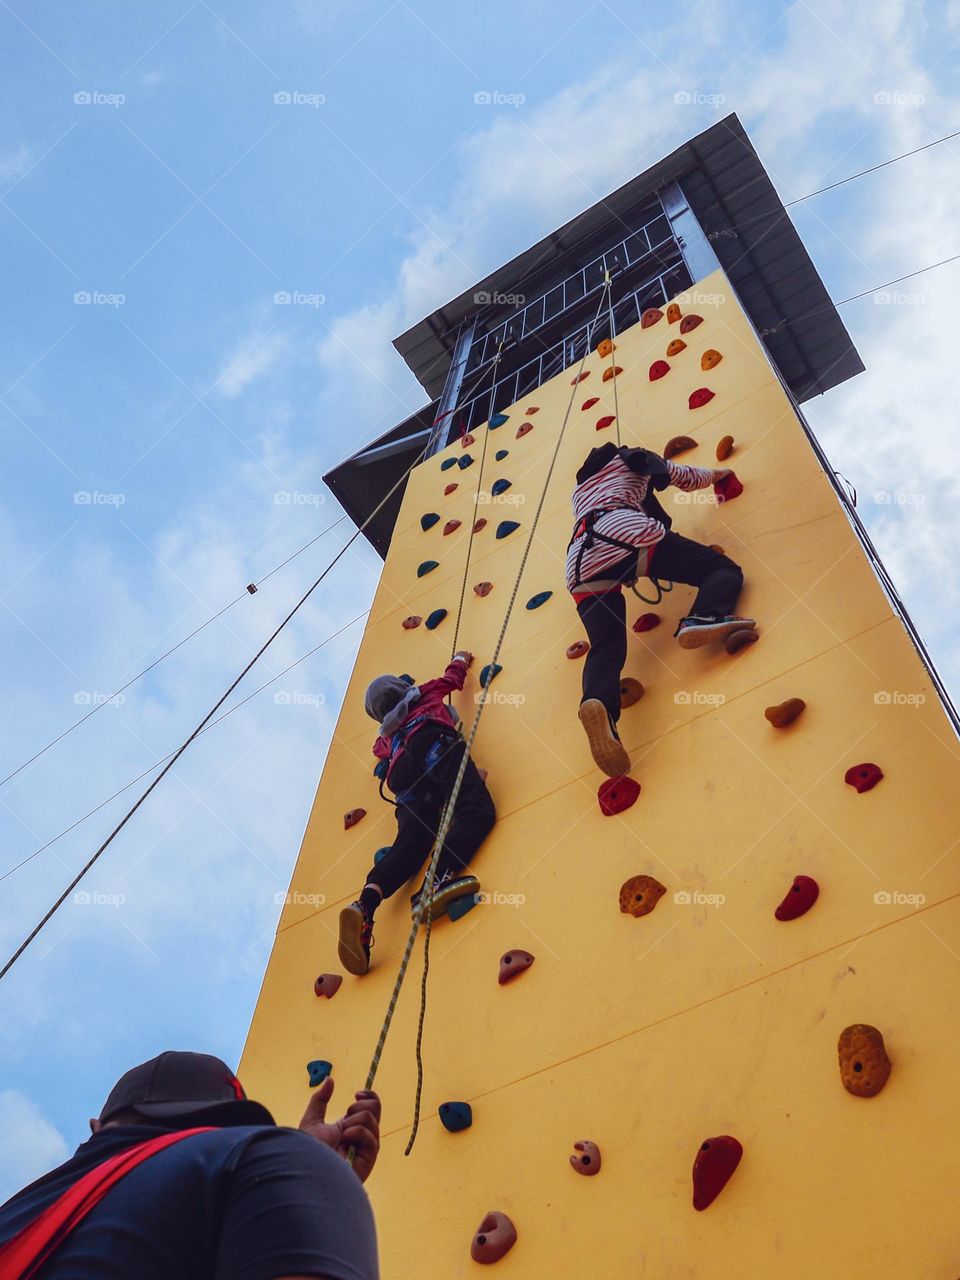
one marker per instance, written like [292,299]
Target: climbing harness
[585,529]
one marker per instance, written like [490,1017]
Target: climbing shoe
[696,629]
[608,751]
[446,889]
[356,939]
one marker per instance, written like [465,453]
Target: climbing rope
[613,355]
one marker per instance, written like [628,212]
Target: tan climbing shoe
[609,753]
[694,632]
[356,939]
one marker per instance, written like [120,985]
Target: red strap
[21,1256]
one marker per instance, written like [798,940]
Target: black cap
[178,1085]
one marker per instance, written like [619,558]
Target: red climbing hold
[579,649]
[617,794]
[659,369]
[713,1168]
[524,429]
[728,488]
[411,622]
[864,777]
[603,423]
[352,817]
[451,488]
[495,1236]
[450,527]
[483,588]
[588,404]
[801,896]
[700,397]
[646,622]
[690,322]
[467,440]
[480,524]
[328,984]
[512,964]
[650,317]
[588,1161]
[580,377]
[534,408]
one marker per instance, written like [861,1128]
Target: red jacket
[430,705]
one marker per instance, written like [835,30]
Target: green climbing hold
[318,1071]
[435,619]
[429,520]
[379,856]
[540,598]
[498,420]
[499,486]
[456,1116]
[460,906]
[489,674]
[427,567]
[506,527]
[447,463]
[501,454]
[380,769]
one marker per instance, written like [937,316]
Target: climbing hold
[498,420]
[483,588]
[380,769]
[646,622]
[738,640]
[318,1071]
[501,454]
[700,397]
[603,423]
[658,369]
[724,448]
[411,622]
[352,817]
[588,1161]
[328,984]
[479,524]
[435,618]
[588,404]
[540,598]
[451,488]
[673,312]
[506,527]
[690,322]
[864,1065]
[456,1116]
[535,408]
[801,896]
[498,487]
[631,691]
[406,679]
[484,773]
[495,1236]
[512,964]
[678,444]
[467,440]
[728,488]
[606,348]
[460,906]
[524,429]
[639,895]
[713,1168]
[676,346]
[710,359]
[450,527]
[650,317]
[785,712]
[579,649]
[426,567]
[580,377]
[381,853]
[715,546]
[447,463]
[429,520]
[864,777]
[611,372]
[489,674]
[465,461]
[617,794]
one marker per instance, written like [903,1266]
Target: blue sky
[146,163]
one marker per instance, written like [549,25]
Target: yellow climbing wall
[708,1016]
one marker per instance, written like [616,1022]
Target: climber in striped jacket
[622,533]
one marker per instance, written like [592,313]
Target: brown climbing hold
[650,317]
[328,984]
[480,524]
[679,444]
[724,448]
[631,691]
[467,440]
[697,399]
[450,527]
[411,622]
[864,1065]
[646,622]
[639,895]
[588,1161]
[512,964]
[713,1168]
[483,774]
[495,1236]
[483,588]
[534,408]
[352,817]
[715,546]
[451,488]
[606,348]
[863,777]
[785,712]
[738,640]
[710,359]
[579,649]
[673,312]
[690,322]
[524,429]
[676,346]
[580,377]
[611,372]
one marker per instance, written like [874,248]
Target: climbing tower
[750,962]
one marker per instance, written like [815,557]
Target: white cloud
[31,1144]
[249,360]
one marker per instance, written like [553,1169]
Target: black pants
[424,794]
[676,559]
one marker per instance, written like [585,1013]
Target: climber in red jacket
[423,750]
[622,533]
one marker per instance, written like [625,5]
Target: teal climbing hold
[379,856]
[456,1116]
[435,619]
[447,463]
[318,1071]
[380,769]
[464,461]
[499,486]
[501,454]
[429,520]
[406,679]
[427,567]
[498,420]
[506,527]
[460,906]
[540,598]
[489,674]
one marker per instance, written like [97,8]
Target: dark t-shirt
[245,1203]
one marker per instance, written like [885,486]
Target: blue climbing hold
[505,527]
[498,420]
[427,567]
[380,769]
[447,463]
[501,454]
[460,906]
[489,674]
[379,856]
[499,486]
[464,461]
[456,1116]
[406,679]
[318,1071]
[429,520]
[540,598]
[435,619]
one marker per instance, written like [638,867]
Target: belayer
[622,533]
[422,748]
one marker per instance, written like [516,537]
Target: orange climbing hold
[534,408]
[631,691]
[659,369]
[650,317]
[512,964]
[700,397]
[785,713]
[328,984]
[713,1168]
[467,440]
[352,817]
[524,429]
[450,527]
[617,794]
[646,622]
[579,649]
[411,622]
[451,488]
[715,546]
[611,372]
[588,404]
[639,895]
[864,1065]
[675,346]
[495,1236]
[710,359]
[678,444]
[690,322]
[673,312]
[606,348]
[587,1161]
[483,588]
[724,448]
[603,423]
